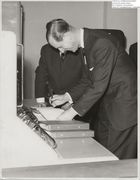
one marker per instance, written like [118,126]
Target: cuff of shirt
[70,99]
[73,111]
[76,111]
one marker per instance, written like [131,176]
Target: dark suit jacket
[61,75]
[113,77]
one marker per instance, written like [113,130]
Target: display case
[12,20]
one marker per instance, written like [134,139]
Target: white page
[49,113]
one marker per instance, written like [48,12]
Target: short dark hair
[56,28]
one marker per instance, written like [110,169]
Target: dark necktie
[62,56]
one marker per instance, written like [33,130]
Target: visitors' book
[71,134]
[64,125]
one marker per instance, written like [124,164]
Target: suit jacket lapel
[88,45]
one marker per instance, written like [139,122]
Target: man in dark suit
[113,84]
[60,73]
[133,52]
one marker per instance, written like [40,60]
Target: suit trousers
[122,143]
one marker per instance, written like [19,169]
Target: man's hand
[67,115]
[42,104]
[57,100]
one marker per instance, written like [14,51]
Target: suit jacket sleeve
[77,91]
[102,58]
[41,77]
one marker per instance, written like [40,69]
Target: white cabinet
[12,20]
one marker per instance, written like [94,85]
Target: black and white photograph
[69,90]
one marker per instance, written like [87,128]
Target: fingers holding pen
[58,97]
[56,103]
[57,100]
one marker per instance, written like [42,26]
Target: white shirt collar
[60,53]
[82,38]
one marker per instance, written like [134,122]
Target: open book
[49,113]
[47,117]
